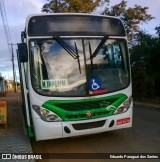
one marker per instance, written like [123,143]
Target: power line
[6,21]
[5,24]
[8,38]
[4,17]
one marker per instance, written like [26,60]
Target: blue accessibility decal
[95,84]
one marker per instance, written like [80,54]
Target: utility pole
[13,67]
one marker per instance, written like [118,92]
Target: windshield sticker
[95,84]
[56,83]
[98,91]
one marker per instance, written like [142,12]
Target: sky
[18,10]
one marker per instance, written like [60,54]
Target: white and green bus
[75,75]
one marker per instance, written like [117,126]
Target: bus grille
[90,125]
[85,105]
[84,109]
[96,114]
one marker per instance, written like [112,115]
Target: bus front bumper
[53,130]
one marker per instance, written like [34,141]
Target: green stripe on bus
[71,110]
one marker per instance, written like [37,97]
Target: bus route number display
[56,83]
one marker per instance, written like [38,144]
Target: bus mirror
[22,52]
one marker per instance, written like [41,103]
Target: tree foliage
[82,6]
[157,28]
[131,17]
[145,60]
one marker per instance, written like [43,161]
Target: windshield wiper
[99,47]
[90,52]
[73,53]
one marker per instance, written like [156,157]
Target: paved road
[143,137]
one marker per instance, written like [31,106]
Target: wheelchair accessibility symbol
[95,84]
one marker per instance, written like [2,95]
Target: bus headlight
[45,114]
[124,107]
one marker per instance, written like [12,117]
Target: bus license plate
[123,121]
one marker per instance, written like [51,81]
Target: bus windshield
[78,66]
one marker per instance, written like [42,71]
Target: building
[3,86]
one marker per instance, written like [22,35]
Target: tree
[145,60]
[139,55]
[131,17]
[82,6]
[158,30]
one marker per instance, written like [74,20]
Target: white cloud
[36,3]
[17,11]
